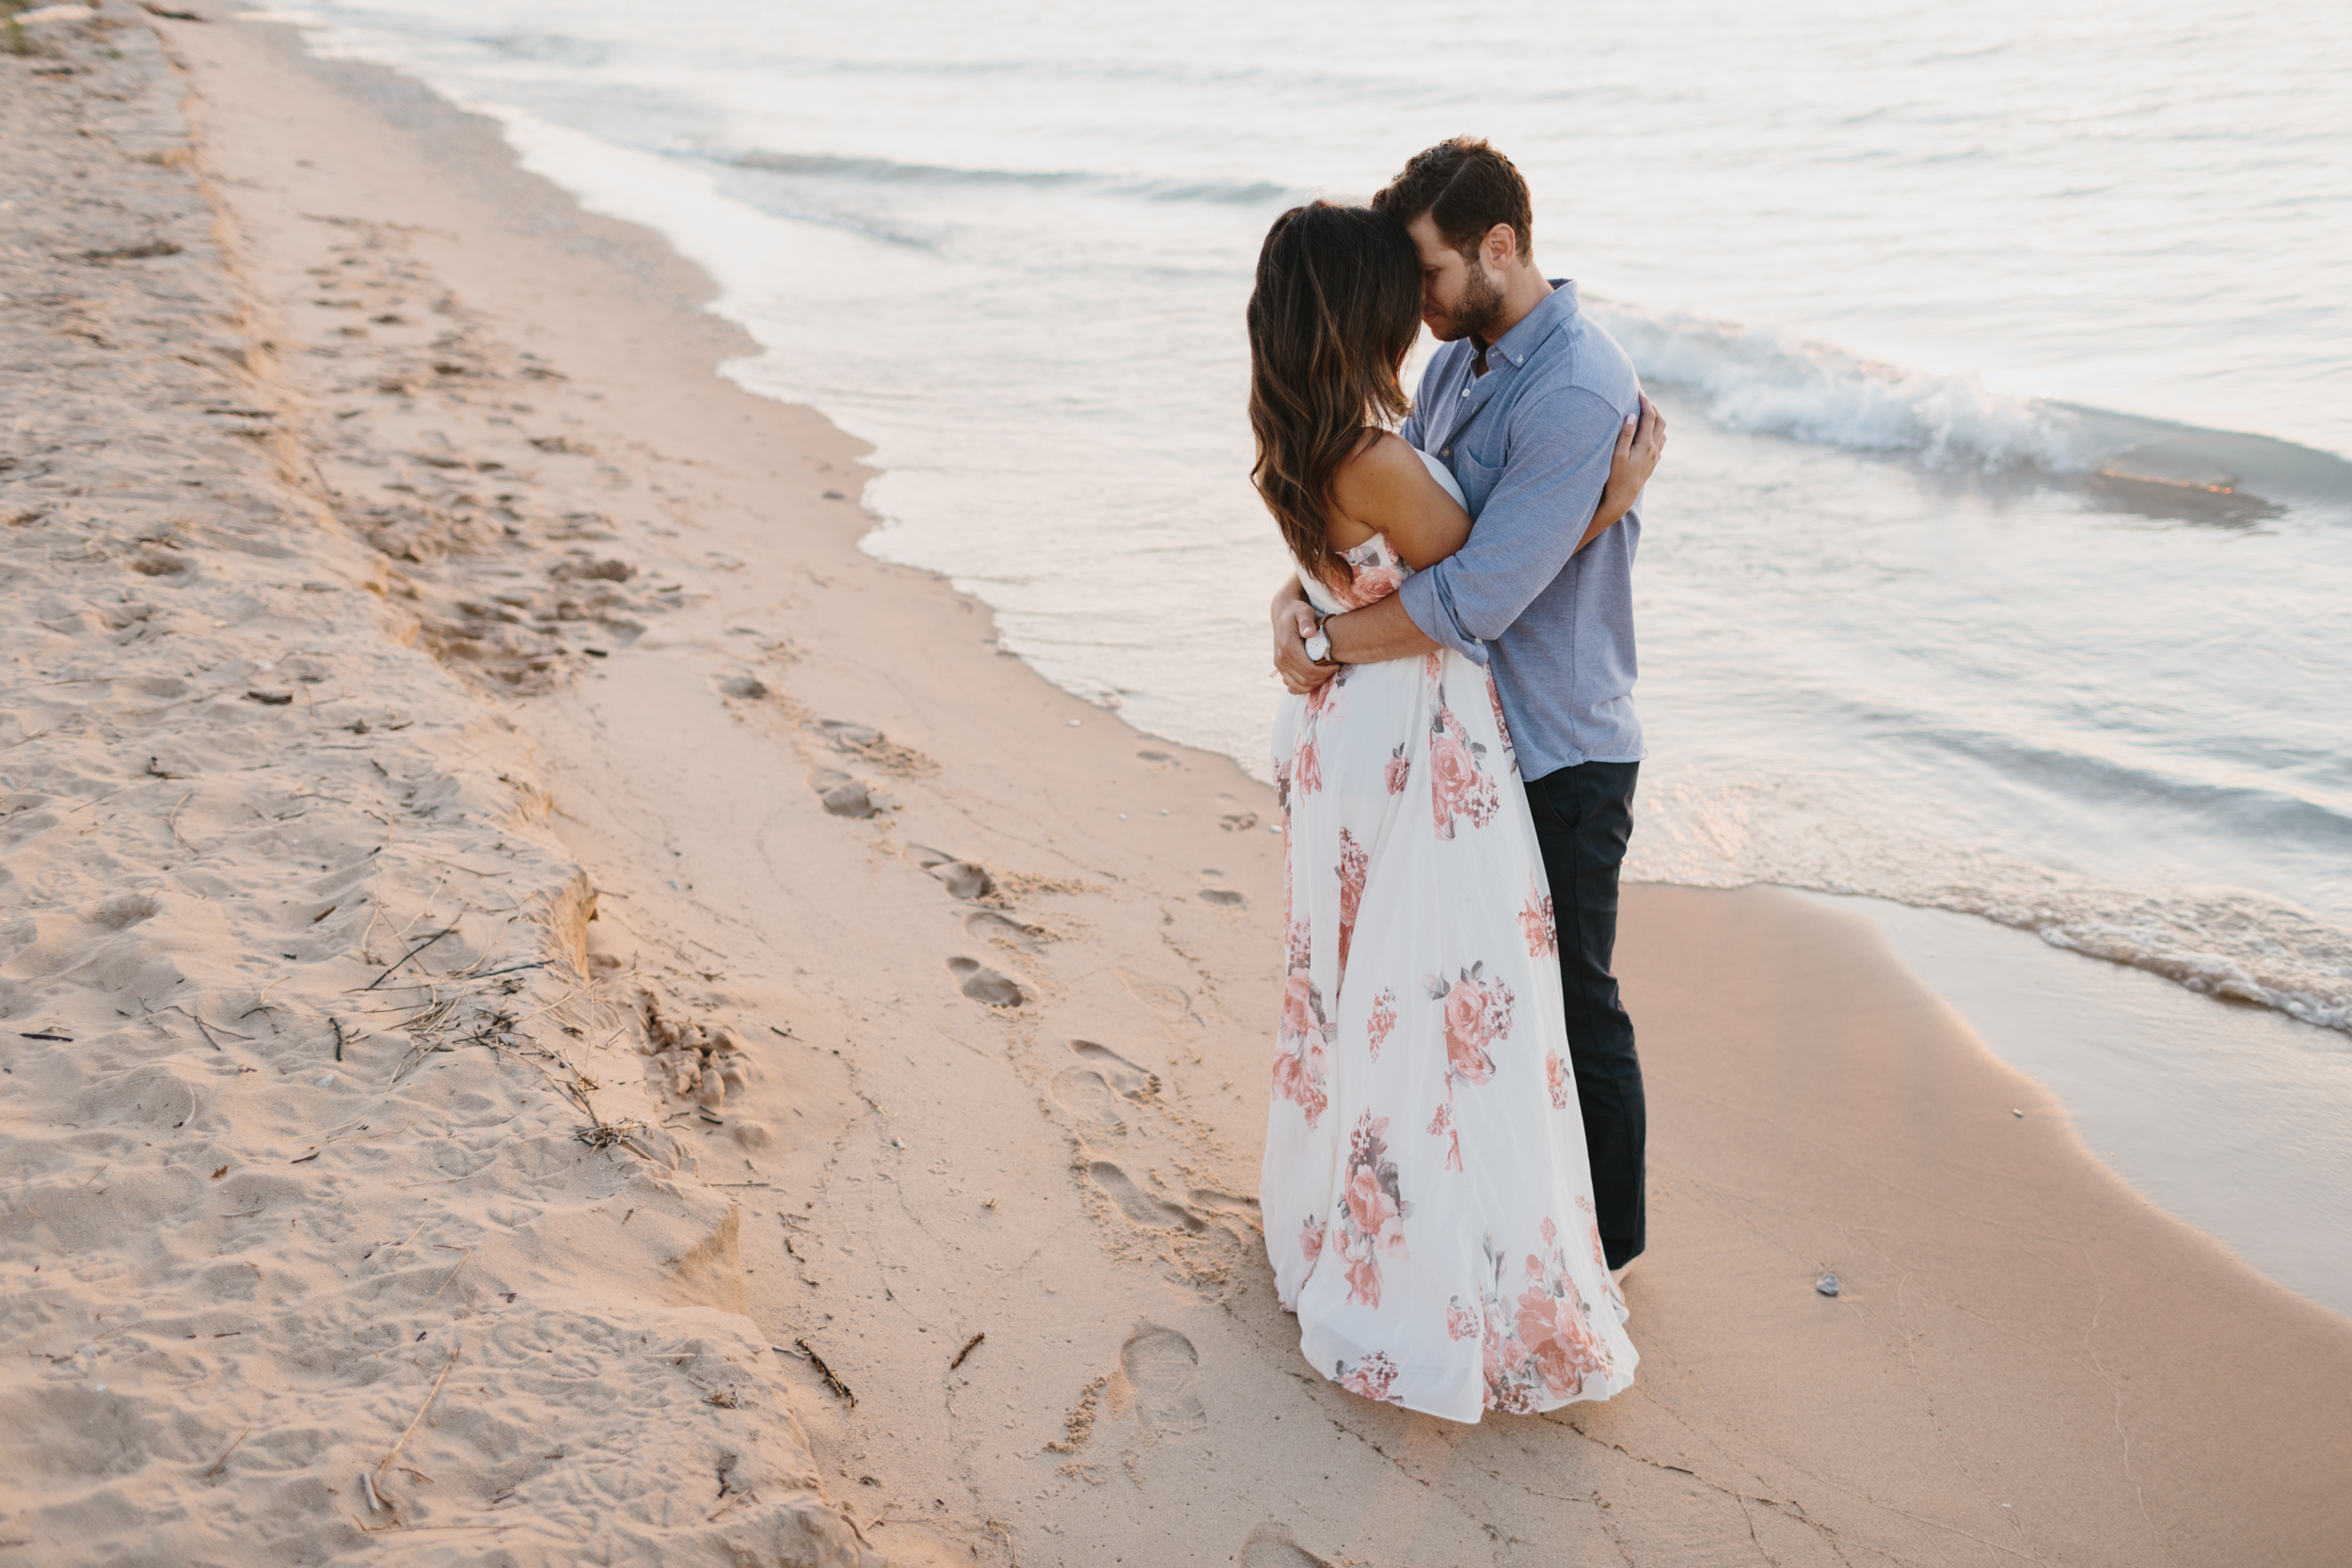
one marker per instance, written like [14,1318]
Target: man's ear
[1500,248]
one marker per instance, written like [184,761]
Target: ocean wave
[2223,943]
[886,172]
[1773,384]
[1770,383]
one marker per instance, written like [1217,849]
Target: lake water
[2002,558]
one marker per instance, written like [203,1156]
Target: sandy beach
[555,1010]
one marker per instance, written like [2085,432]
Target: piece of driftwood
[832,1382]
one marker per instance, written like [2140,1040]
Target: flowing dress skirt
[1427,1199]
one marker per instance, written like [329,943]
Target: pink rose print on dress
[1477,1014]
[1306,769]
[1379,572]
[1399,767]
[1502,725]
[1363,1281]
[1354,866]
[1442,1125]
[1371,1378]
[1553,1330]
[1543,937]
[1300,1055]
[1556,1080]
[1310,1240]
[1380,1019]
[1458,786]
[1372,1210]
[1600,1254]
[1462,1322]
[1542,1342]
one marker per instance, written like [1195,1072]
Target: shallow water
[1958,589]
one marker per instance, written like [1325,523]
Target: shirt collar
[1521,340]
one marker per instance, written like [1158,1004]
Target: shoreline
[2234,1117]
[908,1161]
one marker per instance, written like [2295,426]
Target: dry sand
[911,1000]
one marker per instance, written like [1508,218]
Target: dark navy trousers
[1583,816]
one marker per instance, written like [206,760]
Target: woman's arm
[1387,489]
[1640,445]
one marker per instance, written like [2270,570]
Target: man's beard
[1481,307]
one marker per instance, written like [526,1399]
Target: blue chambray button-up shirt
[1530,443]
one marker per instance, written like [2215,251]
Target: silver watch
[1319,642]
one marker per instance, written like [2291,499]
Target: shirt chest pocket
[1478,480]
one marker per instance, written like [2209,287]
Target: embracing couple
[1452,1184]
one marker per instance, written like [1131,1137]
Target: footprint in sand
[1231,1203]
[1088,1096]
[989,926]
[1163,1371]
[965,879]
[1224,895]
[1127,1078]
[1140,1206]
[962,878]
[843,796]
[843,733]
[1271,1547]
[983,984]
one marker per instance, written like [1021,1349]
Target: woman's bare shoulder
[1377,475]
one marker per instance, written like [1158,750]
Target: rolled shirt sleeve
[1556,464]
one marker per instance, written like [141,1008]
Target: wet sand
[925,1008]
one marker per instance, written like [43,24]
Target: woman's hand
[1640,445]
[1293,619]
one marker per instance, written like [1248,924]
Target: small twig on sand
[969,1346]
[444,931]
[826,1372]
[445,1283]
[604,1135]
[337,1024]
[485,974]
[212,1470]
[421,1410]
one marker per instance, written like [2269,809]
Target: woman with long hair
[1428,1203]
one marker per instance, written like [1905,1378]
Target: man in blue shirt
[1524,404]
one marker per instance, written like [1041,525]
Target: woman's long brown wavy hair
[1336,306]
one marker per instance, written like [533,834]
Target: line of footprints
[1101,1089]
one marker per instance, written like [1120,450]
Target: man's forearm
[1376,634]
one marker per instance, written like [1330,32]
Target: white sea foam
[1775,384]
[1702,832]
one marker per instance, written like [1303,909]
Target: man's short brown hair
[1466,187]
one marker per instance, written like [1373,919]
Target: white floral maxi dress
[1427,1198]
